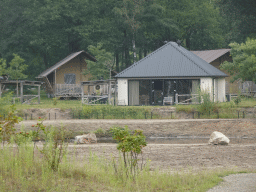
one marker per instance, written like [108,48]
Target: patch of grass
[247,102]
[186,108]
[20,170]
[111,112]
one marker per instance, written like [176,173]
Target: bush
[131,147]
[5,102]
[206,105]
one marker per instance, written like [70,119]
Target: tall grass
[112,112]
[19,171]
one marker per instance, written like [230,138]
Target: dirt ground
[196,154]
[175,157]
[161,128]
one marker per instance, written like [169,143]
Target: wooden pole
[116,93]
[38,92]
[0,90]
[176,99]
[109,93]
[54,82]
[109,97]
[82,94]
[21,92]
[17,89]
[88,93]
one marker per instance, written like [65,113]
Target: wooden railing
[68,90]
[191,99]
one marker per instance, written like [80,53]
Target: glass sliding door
[157,91]
[144,89]
[170,89]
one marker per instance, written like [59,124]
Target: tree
[239,17]
[244,61]
[103,66]
[2,67]
[15,70]
[198,22]
[130,11]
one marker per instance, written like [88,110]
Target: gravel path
[245,182]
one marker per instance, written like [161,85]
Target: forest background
[42,32]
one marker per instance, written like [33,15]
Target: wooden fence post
[21,92]
[38,92]
[176,99]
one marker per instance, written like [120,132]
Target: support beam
[109,93]
[39,94]
[88,94]
[54,82]
[17,89]
[116,93]
[21,92]
[82,88]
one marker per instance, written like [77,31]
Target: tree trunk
[117,62]
[17,87]
[145,52]
[140,54]
[46,61]
[126,51]
[188,43]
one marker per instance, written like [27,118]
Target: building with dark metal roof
[169,72]
[171,60]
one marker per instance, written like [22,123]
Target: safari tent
[64,78]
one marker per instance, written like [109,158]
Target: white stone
[217,138]
[86,139]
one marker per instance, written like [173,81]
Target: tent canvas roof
[171,60]
[64,61]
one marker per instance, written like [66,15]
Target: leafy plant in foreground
[131,146]
[55,146]
[7,125]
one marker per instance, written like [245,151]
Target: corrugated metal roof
[63,61]
[211,55]
[170,60]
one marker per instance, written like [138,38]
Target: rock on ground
[218,138]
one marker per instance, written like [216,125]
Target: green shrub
[206,105]
[5,102]
[55,100]
[131,147]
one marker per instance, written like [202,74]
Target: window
[70,78]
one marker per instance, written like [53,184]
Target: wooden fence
[187,99]
[68,90]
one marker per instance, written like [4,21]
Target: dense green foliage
[244,61]
[238,19]
[104,64]
[16,68]
[43,32]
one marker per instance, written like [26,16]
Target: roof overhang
[64,61]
